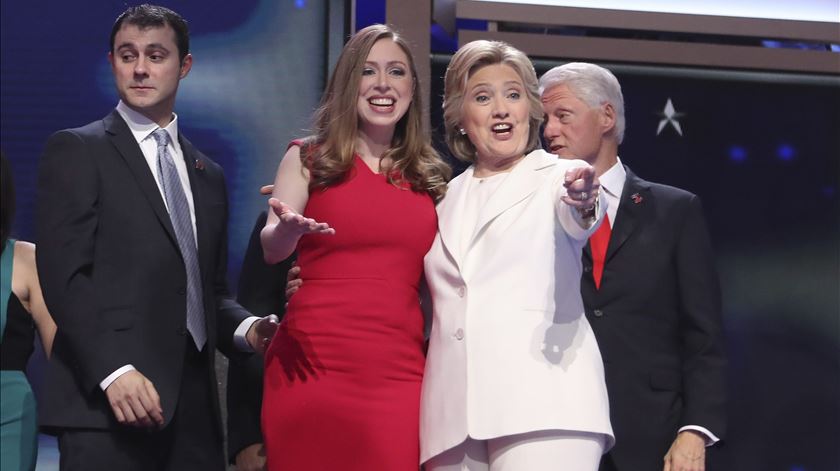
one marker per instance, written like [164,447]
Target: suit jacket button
[597,313]
[459,334]
[181,331]
[587,269]
[461,291]
[182,290]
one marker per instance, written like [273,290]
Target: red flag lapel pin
[199,164]
[637,198]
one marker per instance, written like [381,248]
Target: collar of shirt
[142,127]
[612,182]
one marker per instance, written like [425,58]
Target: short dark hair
[7,204]
[154,16]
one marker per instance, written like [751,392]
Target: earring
[462,131]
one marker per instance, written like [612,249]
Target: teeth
[382,101]
[502,127]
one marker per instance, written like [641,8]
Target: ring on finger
[583,195]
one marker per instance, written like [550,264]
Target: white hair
[593,84]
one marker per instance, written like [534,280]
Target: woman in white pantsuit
[514,379]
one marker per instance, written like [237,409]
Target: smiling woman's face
[386,87]
[495,114]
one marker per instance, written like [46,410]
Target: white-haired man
[649,286]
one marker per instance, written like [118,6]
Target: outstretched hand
[295,222]
[582,188]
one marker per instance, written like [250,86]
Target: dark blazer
[657,319]
[112,273]
[261,290]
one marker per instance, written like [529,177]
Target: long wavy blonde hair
[329,153]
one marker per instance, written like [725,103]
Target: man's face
[573,130]
[147,70]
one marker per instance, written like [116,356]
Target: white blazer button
[461,292]
[459,334]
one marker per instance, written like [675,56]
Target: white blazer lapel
[522,182]
[450,216]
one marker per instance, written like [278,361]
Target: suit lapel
[523,180]
[634,202]
[196,174]
[450,214]
[587,252]
[128,149]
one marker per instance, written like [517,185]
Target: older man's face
[573,130]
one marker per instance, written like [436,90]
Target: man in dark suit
[649,286]
[132,256]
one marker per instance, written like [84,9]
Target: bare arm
[286,224]
[27,288]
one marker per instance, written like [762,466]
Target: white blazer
[510,348]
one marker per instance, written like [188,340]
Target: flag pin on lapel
[637,198]
[199,164]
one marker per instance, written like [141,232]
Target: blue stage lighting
[737,154]
[785,152]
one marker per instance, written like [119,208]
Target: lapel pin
[199,164]
[637,198]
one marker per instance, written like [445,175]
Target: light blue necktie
[179,214]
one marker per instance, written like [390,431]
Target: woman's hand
[582,188]
[297,223]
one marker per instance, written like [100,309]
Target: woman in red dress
[343,373]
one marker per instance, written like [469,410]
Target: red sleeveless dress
[343,372]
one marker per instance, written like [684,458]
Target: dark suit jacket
[657,319]
[261,290]
[112,273]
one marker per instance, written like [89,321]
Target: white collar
[142,127]
[613,179]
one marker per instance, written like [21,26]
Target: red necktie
[598,242]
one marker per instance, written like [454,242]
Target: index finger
[573,174]
[587,174]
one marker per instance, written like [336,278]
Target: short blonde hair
[466,61]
